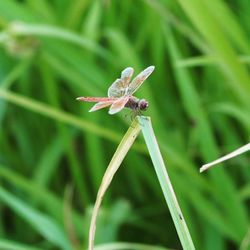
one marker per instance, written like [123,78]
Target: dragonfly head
[143,104]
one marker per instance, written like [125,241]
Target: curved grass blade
[238,151]
[165,183]
[22,29]
[171,19]
[56,114]
[200,61]
[44,225]
[245,244]
[205,21]
[122,150]
[128,246]
[12,245]
[231,110]
[196,111]
[40,195]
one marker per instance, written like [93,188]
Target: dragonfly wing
[117,89]
[101,105]
[139,79]
[127,74]
[119,86]
[95,99]
[118,105]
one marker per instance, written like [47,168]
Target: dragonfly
[120,93]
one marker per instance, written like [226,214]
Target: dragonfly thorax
[137,104]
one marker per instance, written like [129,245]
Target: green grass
[142,123]
[119,155]
[166,186]
[54,51]
[233,154]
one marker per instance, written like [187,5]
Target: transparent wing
[127,74]
[139,79]
[119,86]
[117,89]
[101,105]
[118,105]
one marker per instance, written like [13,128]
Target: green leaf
[127,246]
[120,153]
[166,186]
[12,245]
[233,154]
[205,21]
[43,224]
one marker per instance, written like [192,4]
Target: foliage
[54,51]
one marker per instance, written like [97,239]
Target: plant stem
[166,186]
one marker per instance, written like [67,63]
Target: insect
[120,93]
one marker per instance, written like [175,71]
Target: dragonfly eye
[143,104]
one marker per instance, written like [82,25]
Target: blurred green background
[53,153]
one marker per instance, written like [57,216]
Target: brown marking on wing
[126,75]
[119,87]
[139,79]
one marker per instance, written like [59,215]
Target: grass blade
[25,29]
[56,114]
[113,166]
[207,142]
[44,225]
[11,245]
[238,151]
[128,246]
[200,61]
[205,21]
[165,183]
